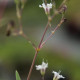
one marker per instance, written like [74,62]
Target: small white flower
[46,7]
[42,67]
[57,75]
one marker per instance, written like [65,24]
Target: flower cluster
[43,68]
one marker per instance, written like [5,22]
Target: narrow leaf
[17,76]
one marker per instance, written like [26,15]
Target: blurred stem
[42,77]
[20,24]
[64,1]
[61,21]
[19,16]
[30,71]
[44,34]
[25,36]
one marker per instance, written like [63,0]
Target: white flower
[42,67]
[57,75]
[46,7]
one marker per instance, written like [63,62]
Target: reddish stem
[30,71]
[62,20]
[43,34]
[37,50]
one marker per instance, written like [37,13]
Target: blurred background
[62,51]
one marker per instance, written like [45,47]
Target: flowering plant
[47,8]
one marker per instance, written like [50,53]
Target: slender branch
[30,71]
[19,15]
[53,16]
[64,1]
[45,30]
[20,24]
[23,35]
[62,20]
[42,77]
[44,34]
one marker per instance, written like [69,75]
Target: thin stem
[64,1]
[32,65]
[42,77]
[62,20]
[28,40]
[44,34]
[20,24]
[45,31]
[19,15]
[53,16]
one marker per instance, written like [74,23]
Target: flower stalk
[47,8]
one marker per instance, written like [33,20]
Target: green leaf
[17,76]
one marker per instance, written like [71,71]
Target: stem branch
[30,71]
[25,36]
[44,34]
[37,50]
[42,77]
[62,20]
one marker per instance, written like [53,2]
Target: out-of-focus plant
[11,30]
